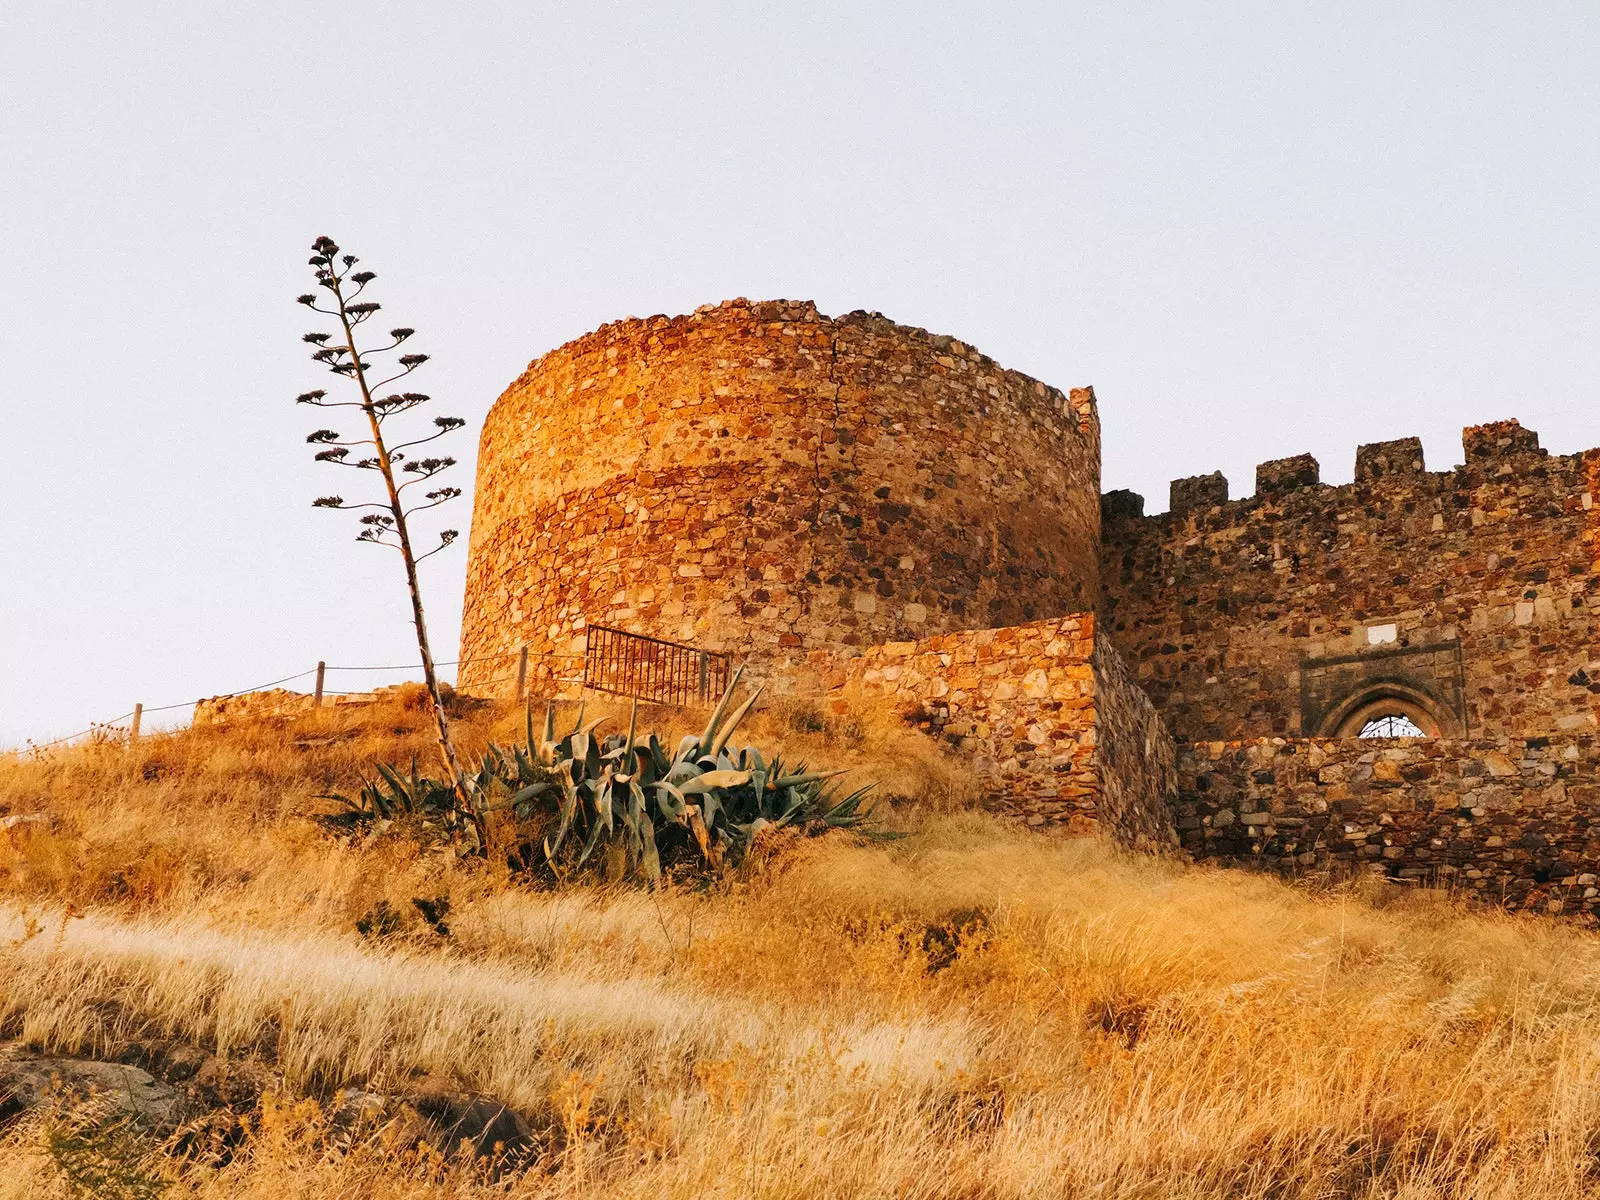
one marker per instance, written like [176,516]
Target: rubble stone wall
[1135,757]
[274,703]
[1048,719]
[1473,591]
[1513,821]
[763,479]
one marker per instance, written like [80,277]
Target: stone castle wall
[1054,729]
[1513,821]
[1474,590]
[1135,757]
[874,511]
[766,480]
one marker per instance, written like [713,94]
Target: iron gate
[629,664]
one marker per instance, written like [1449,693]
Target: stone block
[1121,505]
[1286,475]
[1379,460]
[1496,440]
[1198,493]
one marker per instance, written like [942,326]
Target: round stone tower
[761,479]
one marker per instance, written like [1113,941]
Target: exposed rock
[487,1125]
[121,1089]
[169,1061]
[959,932]
[356,1106]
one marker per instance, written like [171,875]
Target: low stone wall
[1512,822]
[276,703]
[1023,703]
[251,706]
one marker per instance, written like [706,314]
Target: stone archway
[1390,698]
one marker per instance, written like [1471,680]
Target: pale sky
[1256,229]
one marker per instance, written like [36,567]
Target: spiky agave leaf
[722,707]
[720,739]
[650,863]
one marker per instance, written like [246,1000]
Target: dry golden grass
[1117,1027]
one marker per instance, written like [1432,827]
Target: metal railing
[629,664]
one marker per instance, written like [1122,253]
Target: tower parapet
[766,480]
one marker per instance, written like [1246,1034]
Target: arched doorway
[1388,710]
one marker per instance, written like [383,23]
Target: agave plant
[705,800]
[622,800]
[509,777]
[392,797]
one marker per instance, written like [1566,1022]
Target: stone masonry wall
[277,703]
[1512,821]
[1017,703]
[1475,587]
[1135,757]
[1022,704]
[763,479]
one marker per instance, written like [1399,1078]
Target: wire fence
[138,712]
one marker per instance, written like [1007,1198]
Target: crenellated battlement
[1498,440]
[1381,460]
[1470,594]
[1497,448]
[873,506]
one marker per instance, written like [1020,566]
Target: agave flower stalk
[387,522]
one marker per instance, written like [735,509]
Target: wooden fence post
[522,675]
[133,731]
[704,664]
[316,698]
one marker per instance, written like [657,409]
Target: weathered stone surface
[1135,757]
[1055,729]
[763,479]
[119,1089]
[1476,585]
[1505,821]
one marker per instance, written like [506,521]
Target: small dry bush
[972,1011]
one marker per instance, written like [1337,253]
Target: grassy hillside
[971,1011]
